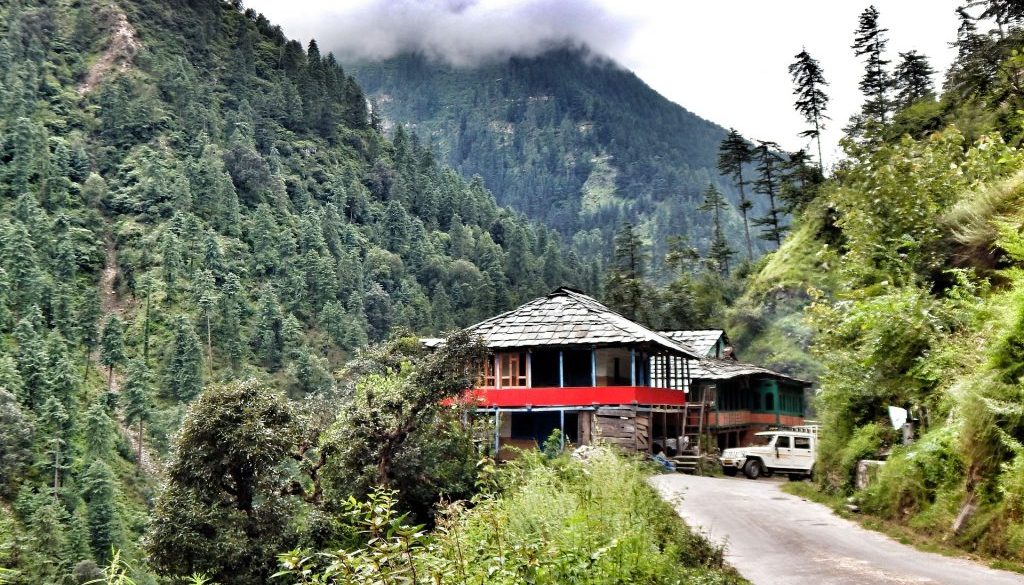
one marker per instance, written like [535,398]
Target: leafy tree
[720,251]
[222,511]
[183,377]
[112,346]
[769,184]
[399,391]
[734,153]
[913,79]
[811,99]
[869,42]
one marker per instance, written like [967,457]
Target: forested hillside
[188,198]
[567,137]
[903,279]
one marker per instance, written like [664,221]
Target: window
[782,443]
[486,379]
[512,370]
[801,443]
[769,401]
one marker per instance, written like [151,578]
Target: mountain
[566,137]
[188,198]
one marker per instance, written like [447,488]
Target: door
[782,452]
[801,454]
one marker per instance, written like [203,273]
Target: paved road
[775,538]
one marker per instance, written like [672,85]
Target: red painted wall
[575,396]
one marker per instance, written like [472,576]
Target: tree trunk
[138,454]
[110,377]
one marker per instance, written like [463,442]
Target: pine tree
[913,79]
[88,312]
[52,419]
[112,346]
[204,291]
[769,184]
[135,396]
[98,430]
[733,154]
[870,41]
[268,339]
[100,496]
[720,251]
[183,378]
[811,99]
[625,289]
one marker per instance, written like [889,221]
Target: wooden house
[567,362]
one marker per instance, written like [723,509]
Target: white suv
[791,452]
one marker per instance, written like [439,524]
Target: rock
[867,469]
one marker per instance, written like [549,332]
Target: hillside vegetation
[201,226]
[904,281]
[567,137]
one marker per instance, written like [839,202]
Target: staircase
[688,460]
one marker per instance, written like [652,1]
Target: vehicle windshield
[761,440]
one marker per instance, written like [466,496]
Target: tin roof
[565,318]
[717,369]
[702,340]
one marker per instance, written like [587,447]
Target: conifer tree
[88,312]
[135,396]
[624,289]
[52,419]
[99,493]
[183,378]
[869,42]
[720,251]
[204,289]
[811,99]
[769,184]
[733,154]
[98,429]
[913,79]
[112,346]
[16,434]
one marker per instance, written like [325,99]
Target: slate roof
[716,369]
[702,340]
[565,318]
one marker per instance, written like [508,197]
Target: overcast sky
[724,60]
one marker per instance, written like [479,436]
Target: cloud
[459,32]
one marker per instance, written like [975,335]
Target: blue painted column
[497,432]
[593,367]
[632,366]
[561,370]
[561,429]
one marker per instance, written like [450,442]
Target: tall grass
[544,521]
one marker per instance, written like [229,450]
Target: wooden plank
[611,411]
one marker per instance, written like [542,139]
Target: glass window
[782,443]
[801,443]
[512,370]
[486,379]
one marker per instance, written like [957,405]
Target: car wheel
[730,471]
[752,469]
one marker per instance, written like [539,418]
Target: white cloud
[725,60]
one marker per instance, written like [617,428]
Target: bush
[552,521]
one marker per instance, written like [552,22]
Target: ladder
[688,460]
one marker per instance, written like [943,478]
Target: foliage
[222,510]
[555,521]
[397,432]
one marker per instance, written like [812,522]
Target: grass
[898,532]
